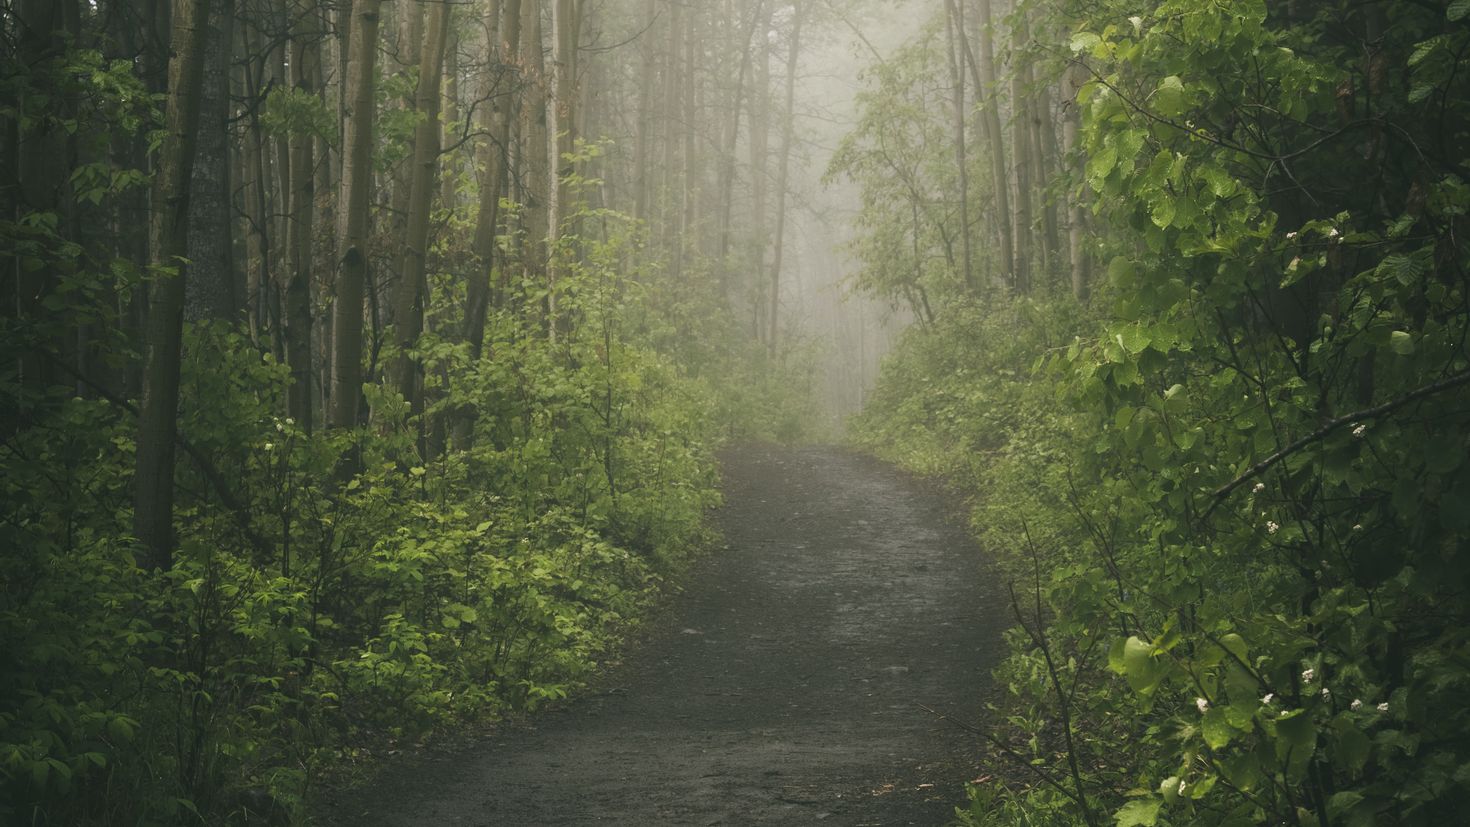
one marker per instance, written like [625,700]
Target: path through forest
[781,687]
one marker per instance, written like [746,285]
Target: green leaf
[1169,99]
[1457,10]
[1216,730]
[1143,670]
[1297,729]
[1084,42]
[1401,343]
[1140,812]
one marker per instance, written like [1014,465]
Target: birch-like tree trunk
[954,27]
[305,69]
[153,476]
[788,128]
[354,202]
[411,292]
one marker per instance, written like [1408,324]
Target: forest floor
[782,686]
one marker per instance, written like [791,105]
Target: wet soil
[782,686]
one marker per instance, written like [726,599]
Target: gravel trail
[782,686]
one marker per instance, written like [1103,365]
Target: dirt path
[782,687]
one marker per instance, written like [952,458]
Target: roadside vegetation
[1220,454]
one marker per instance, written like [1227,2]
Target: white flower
[1360,430]
[269,446]
[1333,233]
[1202,705]
[290,421]
[1383,707]
[1358,527]
[1272,527]
[1258,488]
[1326,694]
[279,426]
[1270,696]
[1182,786]
[1355,705]
[1291,235]
[1308,674]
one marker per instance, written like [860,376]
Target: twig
[1003,747]
[206,468]
[1346,419]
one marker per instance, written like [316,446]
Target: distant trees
[994,207]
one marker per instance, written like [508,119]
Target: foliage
[1240,490]
[309,614]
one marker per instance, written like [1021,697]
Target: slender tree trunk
[986,91]
[670,201]
[732,137]
[153,477]
[760,104]
[1020,141]
[449,178]
[305,62]
[210,289]
[782,175]
[535,146]
[645,120]
[1076,217]
[954,26]
[354,201]
[411,295]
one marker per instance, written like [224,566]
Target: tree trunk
[305,67]
[410,297]
[534,147]
[211,286]
[782,174]
[153,477]
[732,137]
[1076,219]
[1020,141]
[354,201]
[955,25]
[644,131]
[760,104]
[983,75]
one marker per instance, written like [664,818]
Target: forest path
[780,687]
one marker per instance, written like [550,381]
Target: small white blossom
[1182,786]
[1355,705]
[290,421]
[1360,430]
[1333,233]
[1202,705]
[1270,696]
[1258,488]
[1326,694]
[1291,235]
[270,446]
[1383,707]
[1272,527]
[1358,527]
[1308,674]
[280,427]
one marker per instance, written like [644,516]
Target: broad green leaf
[1143,670]
[1169,99]
[1140,812]
[1216,730]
